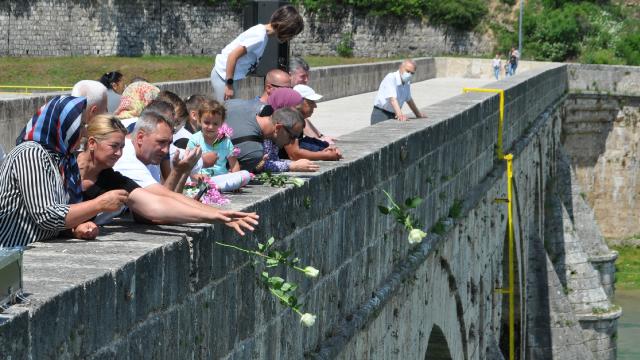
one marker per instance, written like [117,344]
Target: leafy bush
[459,14]
[398,8]
[599,56]
[556,34]
[628,48]
[344,47]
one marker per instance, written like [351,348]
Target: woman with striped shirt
[40,190]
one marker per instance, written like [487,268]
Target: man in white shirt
[393,92]
[146,147]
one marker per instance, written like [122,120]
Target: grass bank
[628,267]
[66,71]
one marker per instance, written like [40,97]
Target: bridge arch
[438,347]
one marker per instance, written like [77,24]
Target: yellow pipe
[27,87]
[499,150]
[34,87]
[511,292]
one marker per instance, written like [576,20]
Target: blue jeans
[496,72]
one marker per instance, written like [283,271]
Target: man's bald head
[278,78]
[275,78]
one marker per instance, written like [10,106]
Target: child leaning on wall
[242,55]
[215,137]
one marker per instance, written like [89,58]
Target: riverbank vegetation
[628,268]
[598,31]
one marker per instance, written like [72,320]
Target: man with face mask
[393,92]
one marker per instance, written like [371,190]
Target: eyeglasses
[280,86]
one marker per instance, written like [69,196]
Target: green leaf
[260,247]
[292,301]
[271,241]
[272,262]
[383,209]
[276,282]
[413,203]
[286,287]
[407,222]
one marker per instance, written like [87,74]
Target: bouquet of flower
[223,131]
[211,196]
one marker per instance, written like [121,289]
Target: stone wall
[120,27]
[165,292]
[601,138]
[330,81]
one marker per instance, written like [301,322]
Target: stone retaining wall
[198,27]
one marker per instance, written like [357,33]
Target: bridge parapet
[168,292]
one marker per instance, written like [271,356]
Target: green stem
[283,300]
[245,250]
[391,199]
[298,268]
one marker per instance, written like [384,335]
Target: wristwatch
[229,81]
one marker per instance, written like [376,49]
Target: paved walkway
[348,114]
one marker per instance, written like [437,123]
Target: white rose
[311,272]
[297,182]
[308,319]
[416,236]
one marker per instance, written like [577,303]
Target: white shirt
[496,63]
[392,87]
[254,40]
[183,134]
[131,167]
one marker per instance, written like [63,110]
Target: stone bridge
[168,292]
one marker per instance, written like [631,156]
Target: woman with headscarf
[40,190]
[284,98]
[134,99]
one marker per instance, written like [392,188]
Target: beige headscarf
[134,98]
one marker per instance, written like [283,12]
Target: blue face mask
[406,77]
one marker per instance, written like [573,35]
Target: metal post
[520,28]
[512,345]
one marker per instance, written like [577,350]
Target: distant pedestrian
[393,92]
[514,58]
[497,66]
[242,55]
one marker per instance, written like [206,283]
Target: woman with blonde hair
[105,141]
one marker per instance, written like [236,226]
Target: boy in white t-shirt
[242,55]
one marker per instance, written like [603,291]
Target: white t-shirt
[131,167]
[254,40]
[392,86]
[183,134]
[496,63]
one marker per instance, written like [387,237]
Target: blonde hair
[211,107]
[104,125]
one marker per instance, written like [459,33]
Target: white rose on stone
[297,182]
[308,319]
[416,236]
[311,272]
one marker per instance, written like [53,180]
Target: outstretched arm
[161,206]
[415,109]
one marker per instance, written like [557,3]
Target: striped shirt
[33,199]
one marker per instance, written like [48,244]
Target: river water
[629,324]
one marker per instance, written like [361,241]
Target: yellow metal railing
[6,88]
[509,200]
